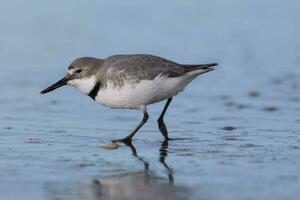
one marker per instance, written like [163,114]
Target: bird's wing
[141,67]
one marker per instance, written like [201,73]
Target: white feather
[139,95]
[85,85]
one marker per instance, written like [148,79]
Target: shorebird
[131,82]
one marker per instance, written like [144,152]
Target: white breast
[138,95]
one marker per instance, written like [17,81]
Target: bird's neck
[86,85]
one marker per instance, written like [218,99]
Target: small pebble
[110,146]
[276,81]
[242,106]
[229,103]
[229,128]
[230,138]
[53,102]
[254,94]
[270,108]
[224,97]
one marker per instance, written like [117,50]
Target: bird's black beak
[56,85]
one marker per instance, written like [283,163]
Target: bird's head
[81,74]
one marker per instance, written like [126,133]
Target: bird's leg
[161,125]
[128,138]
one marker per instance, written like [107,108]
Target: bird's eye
[78,71]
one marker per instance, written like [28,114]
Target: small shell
[110,146]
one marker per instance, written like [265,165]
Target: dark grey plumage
[147,67]
[136,66]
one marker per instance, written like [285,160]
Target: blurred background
[239,124]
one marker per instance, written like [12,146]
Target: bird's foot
[126,140]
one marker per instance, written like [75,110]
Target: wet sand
[229,146]
[236,129]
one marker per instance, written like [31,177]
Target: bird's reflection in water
[163,153]
[137,185]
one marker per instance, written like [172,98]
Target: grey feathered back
[135,66]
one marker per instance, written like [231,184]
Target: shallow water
[236,128]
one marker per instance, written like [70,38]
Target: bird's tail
[201,68]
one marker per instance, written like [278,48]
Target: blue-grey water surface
[237,127]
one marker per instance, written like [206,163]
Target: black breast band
[93,93]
